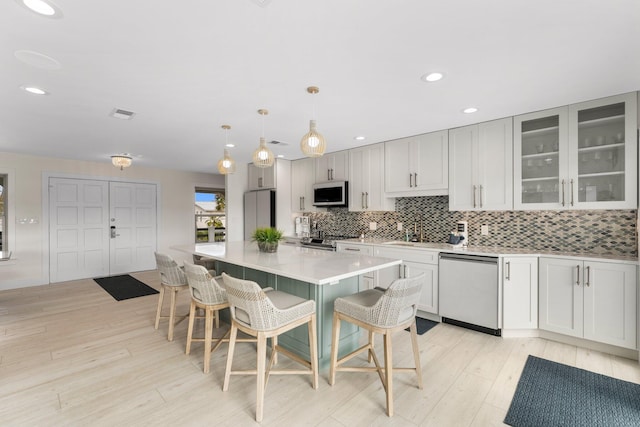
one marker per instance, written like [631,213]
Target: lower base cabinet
[520,293]
[589,299]
[367,280]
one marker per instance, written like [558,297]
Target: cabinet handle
[300,203]
[563,192]
[474,196]
[362,200]
[480,193]
[578,275]
[260,182]
[328,174]
[331,174]
[508,272]
[415,179]
[588,273]
[571,192]
[366,198]
[410,180]
[406,274]
[352,249]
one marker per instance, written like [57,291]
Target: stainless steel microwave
[333,193]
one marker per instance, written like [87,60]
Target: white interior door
[132,227]
[78,229]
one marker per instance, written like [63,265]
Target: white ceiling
[186,67]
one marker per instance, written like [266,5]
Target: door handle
[113,231]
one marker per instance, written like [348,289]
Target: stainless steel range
[327,243]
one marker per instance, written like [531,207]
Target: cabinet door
[463,146]
[603,150]
[540,153]
[302,174]
[398,175]
[366,179]
[262,178]
[520,293]
[332,167]
[561,296]
[610,303]
[429,294]
[495,165]
[429,161]
[357,181]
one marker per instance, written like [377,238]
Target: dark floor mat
[124,287]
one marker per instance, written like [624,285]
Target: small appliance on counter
[460,236]
[302,226]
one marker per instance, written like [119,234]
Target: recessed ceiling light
[432,77]
[42,7]
[230,145]
[360,138]
[34,90]
[470,110]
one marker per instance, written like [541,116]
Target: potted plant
[214,223]
[267,238]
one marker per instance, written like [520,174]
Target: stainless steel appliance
[334,193]
[259,211]
[468,291]
[327,243]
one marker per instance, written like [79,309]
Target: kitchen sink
[410,244]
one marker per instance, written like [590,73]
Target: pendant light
[312,144]
[226,165]
[263,157]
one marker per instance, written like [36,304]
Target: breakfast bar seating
[266,313]
[172,279]
[379,312]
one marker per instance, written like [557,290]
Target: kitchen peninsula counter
[309,273]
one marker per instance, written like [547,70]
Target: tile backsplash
[597,232]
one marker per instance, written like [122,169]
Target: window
[210,215]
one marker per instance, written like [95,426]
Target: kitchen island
[313,274]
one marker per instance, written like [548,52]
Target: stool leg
[313,349]
[416,352]
[192,317]
[172,314]
[160,299]
[371,335]
[232,344]
[208,332]
[335,339]
[388,372]
[217,318]
[260,374]
[274,353]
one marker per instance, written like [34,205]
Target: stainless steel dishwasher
[468,291]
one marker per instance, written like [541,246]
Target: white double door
[100,228]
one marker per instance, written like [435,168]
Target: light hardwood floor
[72,355]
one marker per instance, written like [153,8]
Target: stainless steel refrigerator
[259,211]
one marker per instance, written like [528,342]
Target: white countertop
[487,250]
[301,263]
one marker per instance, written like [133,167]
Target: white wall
[29,264]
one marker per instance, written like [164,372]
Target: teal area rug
[552,394]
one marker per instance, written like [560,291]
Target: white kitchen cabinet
[302,179]
[262,178]
[367,280]
[332,167]
[414,262]
[595,300]
[366,180]
[417,166]
[578,157]
[520,293]
[481,166]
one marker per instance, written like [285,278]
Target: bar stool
[208,295]
[379,312]
[172,279]
[266,314]
[207,263]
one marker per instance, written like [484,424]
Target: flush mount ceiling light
[263,157]
[34,90]
[470,110]
[432,77]
[312,144]
[121,160]
[226,165]
[359,138]
[42,7]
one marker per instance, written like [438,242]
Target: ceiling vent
[262,3]
[122,114]
[274,142]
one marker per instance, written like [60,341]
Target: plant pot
[268,246]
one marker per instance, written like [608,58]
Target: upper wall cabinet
[332,167]
[302,179]
[366,180]
[262,178]
[417,166]
[578,157]
[481,166]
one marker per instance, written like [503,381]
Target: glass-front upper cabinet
[580,156]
